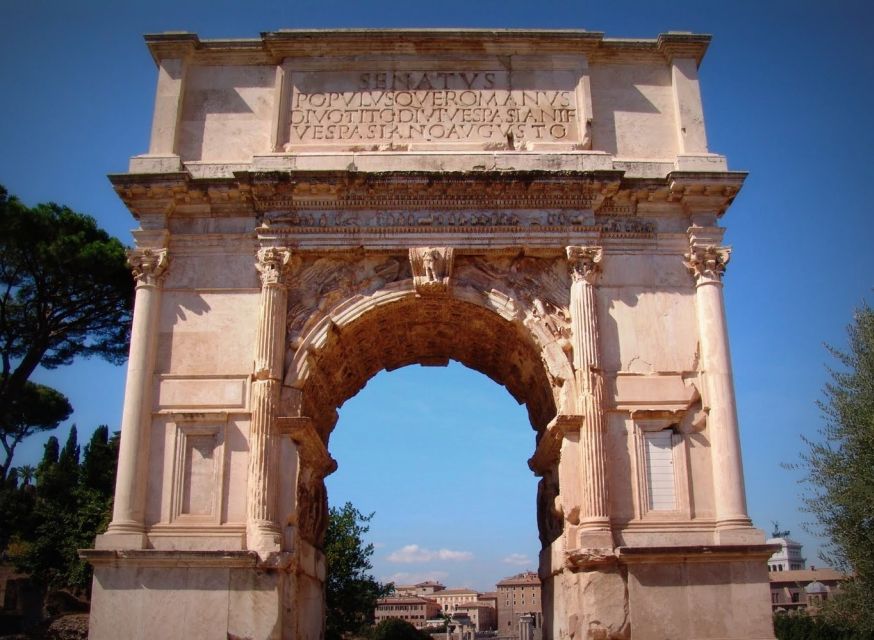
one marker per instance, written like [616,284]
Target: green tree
[36,408]
[397,629]
[72,503]
[65,291]
[840,473]
[350,591]
[798,625]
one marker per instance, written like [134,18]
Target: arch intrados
[396,327]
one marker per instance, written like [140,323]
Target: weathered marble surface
[315,207]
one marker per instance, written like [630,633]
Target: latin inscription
[385,107]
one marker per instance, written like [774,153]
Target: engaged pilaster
[262,529]
[706,263]
[148,266]
[594,518]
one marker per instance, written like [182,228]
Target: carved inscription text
[408,107]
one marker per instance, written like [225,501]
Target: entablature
[463,199]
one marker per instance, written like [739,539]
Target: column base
[122,535]
[738,534]
[263,538]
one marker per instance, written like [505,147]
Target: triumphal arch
[317,206]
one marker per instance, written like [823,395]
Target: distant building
[517,596]
[414,609]
[483,616]
[803,588]
[788,557]
[449,599]
[427,588]
[792,586]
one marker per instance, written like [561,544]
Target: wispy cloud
[518,559]
[412,553]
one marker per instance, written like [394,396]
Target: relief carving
[321,283]
[312,510]
[707,261]
[539,283]
[550,523]
[273,264]
[148,265]
[584,263]
[432,269]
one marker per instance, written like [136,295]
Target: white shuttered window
[661,489]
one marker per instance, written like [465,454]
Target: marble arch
[316,206]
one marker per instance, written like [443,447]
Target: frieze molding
[464,221]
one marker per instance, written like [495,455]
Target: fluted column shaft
[707,265]
[594,507]
[130,485]
[262,529]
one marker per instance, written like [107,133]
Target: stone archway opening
[396,330]
[429,331]
[438,454]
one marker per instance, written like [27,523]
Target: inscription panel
[482,108]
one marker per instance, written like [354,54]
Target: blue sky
[787,90]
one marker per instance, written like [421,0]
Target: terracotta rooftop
[527,577]
[405,600]
[806,575]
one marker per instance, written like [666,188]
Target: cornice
[274,46]
[607,194]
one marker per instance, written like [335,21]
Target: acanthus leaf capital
[148,265]
[584,262]
[707,261]
[273,264]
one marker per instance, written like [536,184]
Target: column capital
[273,265]
[148,265]
[585,263]
[707,262]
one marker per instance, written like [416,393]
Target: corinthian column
[707,265]
[262,530]
[128,512]
[594,518]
